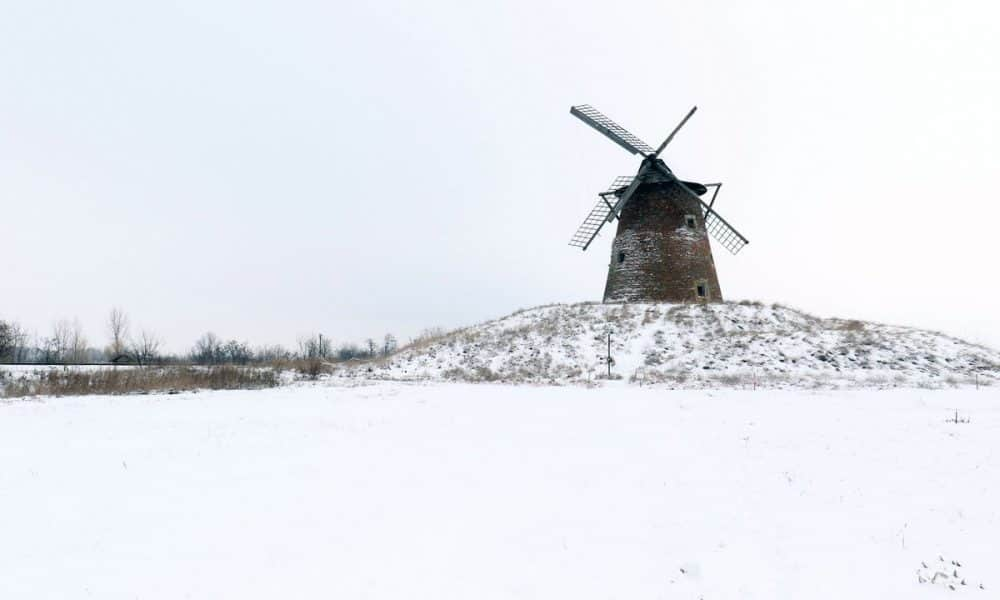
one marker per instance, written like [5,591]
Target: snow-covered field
[463,491]
[733,345]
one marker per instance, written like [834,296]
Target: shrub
[311,368]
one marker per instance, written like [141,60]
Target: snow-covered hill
[745,344]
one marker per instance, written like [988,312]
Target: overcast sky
[268,169]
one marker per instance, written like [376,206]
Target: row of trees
[210,349]
[67,344]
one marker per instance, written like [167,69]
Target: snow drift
[745,344]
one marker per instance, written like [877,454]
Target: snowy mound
[729,345]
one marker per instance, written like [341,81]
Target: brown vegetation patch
[77,382]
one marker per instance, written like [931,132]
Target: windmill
[661,251]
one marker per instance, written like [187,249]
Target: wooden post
[609,354]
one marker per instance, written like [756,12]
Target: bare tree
[23,351]
[56,348]
[314,346]
[235,352]
[144,348]
[77,351]
[271,353]
[13,342]
[349,352]
[49,351]
[6,341]
[389,344]
[207,349]
[118,332]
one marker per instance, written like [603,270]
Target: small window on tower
[621,257]
[700,289]
[690,220]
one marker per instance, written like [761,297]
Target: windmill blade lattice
[613,131]
[723,232]
[718,227]
[598,216]
[617,186]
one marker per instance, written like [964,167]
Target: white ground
[460,491]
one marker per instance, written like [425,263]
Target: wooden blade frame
[720,229]
[674,132]
[613,131]
[598,216]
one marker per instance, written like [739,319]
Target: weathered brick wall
[662,258]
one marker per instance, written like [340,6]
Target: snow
[734,345]
[394,490]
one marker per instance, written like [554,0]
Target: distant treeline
[67,344]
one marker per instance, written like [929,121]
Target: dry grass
[308,368]
[428,338]
[73,382]
[851,325]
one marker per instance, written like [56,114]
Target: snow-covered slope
[744,344]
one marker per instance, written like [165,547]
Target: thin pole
[609,354]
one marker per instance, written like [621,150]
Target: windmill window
[701,289]
[621,257]
[690,221]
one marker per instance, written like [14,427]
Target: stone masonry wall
[656,256]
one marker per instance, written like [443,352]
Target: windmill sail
[723,232]
[615,132]
[674,132]
[598,216]
[718,227]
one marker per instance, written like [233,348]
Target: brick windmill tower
[661,251]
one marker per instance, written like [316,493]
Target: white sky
[266,169]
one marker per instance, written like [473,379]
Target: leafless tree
[349,351]
[6,341]
[16,340]
[144,348]
[207,349]
[24,350]
[389,344]
[237,353]
[118,333]
[271,353]
[314,346]
[77,351]
[56,347]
